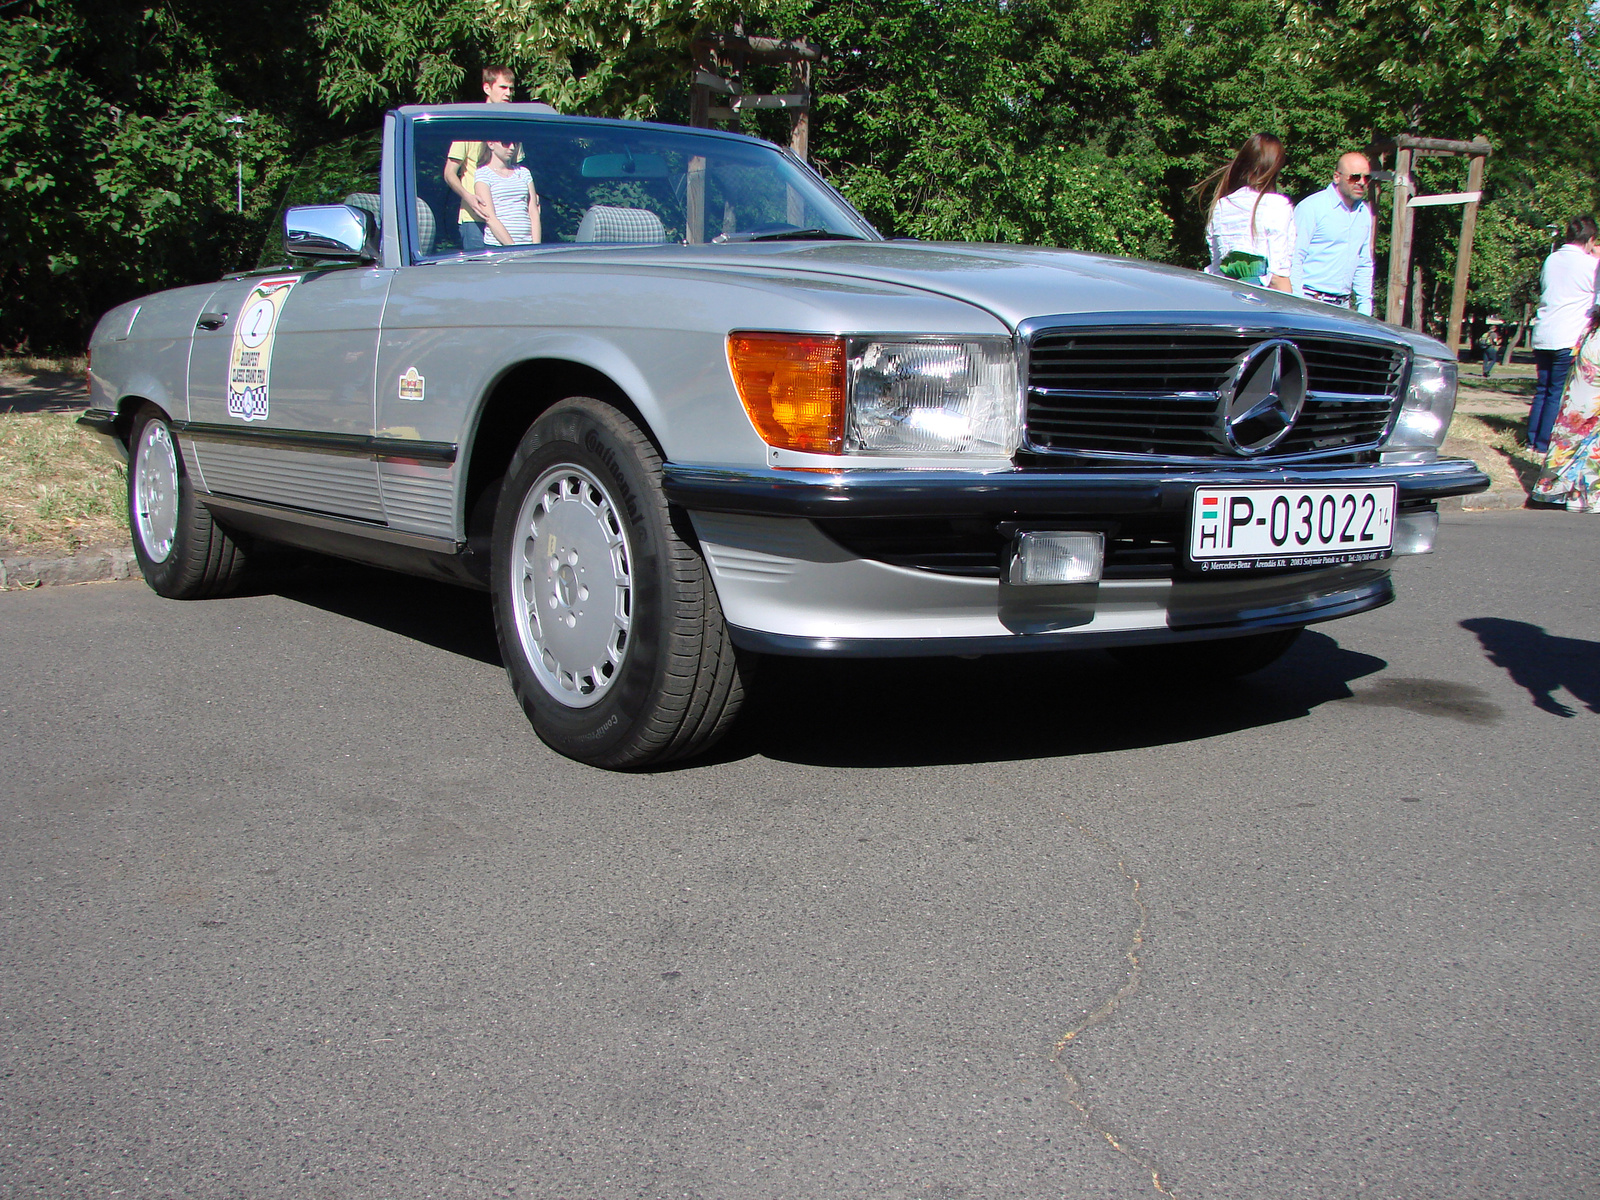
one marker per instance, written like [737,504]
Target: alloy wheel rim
[155,491]
[572,586]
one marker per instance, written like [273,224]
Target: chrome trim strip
[1262,325]
[297,516]
[353,444]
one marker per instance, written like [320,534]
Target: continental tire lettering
[605,454]
[601,732]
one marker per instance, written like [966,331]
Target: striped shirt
[509,194]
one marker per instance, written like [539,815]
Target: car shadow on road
[1540,662]
[455,619]
[888,712]
[923,712]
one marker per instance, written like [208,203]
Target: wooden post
[1418,298]
[695,201]
[1469,224]
[800,123]
[1399,240]
[799,134]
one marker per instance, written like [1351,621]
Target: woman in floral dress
[1572,467]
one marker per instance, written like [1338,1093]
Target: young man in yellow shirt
[461,163]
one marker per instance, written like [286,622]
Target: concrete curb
[87,566]
[1485,502]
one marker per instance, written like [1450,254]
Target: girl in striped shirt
[508,194]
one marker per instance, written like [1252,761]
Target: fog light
[1414,532]
[1043,556]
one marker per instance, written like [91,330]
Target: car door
[281,401]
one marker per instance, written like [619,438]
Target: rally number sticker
[250,363]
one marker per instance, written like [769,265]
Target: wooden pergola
[1406,149]
[720,60]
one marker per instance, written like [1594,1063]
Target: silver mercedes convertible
[694,409]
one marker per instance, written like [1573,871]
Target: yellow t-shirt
[469,155]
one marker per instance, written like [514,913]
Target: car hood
[1016,283]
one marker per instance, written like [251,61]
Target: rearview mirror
[625,166]
[335,232]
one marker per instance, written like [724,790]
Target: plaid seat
[427,229]
[609,223]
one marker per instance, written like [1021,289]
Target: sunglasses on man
[1353,177]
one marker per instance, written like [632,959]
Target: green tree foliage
[120,170]
[1077,123]
[606,58]
[1521,75]
[595,57]
[380,53]
[1519,229]
[940,121]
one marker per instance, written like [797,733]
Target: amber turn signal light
[792,385]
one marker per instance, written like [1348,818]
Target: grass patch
[1502,383]
[1495,443]
[59,491]
[34,365]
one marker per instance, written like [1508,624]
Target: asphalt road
[295,905]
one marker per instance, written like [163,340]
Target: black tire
[1202,662]
[583,487]
[183,553]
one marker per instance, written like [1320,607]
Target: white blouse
[1566,294]
[1229,229]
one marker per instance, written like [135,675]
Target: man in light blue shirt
[1333,239]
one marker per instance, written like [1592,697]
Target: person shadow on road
[1541,663]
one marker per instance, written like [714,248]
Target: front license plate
[1255,528]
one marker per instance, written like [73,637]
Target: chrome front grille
[1156,392]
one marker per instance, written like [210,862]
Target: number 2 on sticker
[257,323]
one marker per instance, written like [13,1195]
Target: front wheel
[607,619]
[182,553]
[1204,662]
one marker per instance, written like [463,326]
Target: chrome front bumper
[1021,492]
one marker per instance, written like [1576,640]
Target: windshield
[552,181]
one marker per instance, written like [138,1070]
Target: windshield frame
[406,179]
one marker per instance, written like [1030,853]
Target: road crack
[1075,1091]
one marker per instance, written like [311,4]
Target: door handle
[211,320]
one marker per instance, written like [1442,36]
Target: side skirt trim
[295,516]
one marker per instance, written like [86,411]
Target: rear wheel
[1199,662]
[607,619]
[182,552]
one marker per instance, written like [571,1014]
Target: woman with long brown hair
[1249,225]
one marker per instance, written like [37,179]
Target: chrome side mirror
[336,232]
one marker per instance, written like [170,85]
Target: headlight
[1430,403]
[825,394]
[933,397]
